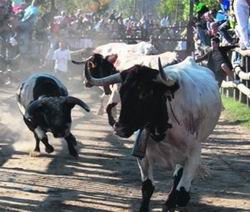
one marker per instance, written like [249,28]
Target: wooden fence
[240,92]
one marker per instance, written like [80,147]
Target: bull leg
[37,147]
[71,141]
[44,138]
[41,136]
[113,100]
[48,147]
[170,203]
[111,119]
[36,151]
[189,170]
[104,100]
[140,145]
[147,183]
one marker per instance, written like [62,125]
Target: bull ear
[90,65]
[32,108]
[112,58]
[72,101]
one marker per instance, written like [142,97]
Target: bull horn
[112,79]
[80,62]
[162,74]
[163,77]
[72,101]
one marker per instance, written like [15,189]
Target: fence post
[243,97]
[247,81]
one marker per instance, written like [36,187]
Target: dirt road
[106,176]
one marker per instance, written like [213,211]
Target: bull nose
[58,135]
[121,131]
[88,84]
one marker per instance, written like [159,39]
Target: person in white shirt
[164,23]
[241,11]
[61,57]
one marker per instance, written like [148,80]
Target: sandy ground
[106,176]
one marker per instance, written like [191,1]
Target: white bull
[141,48]
[175,110]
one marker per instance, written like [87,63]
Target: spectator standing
[241,11]
[218,26]
[112,16]
[224,5]
[164,23]
[17,5]
[25,26]
[144,25]
[200,9]
[61,57]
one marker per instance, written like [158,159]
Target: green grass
[236,111]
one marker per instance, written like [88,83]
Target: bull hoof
[144,209]
[182,197]
[74,153]
[170,205]
[35,154]
[49,149]
[165,208]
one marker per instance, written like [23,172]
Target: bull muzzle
[123,131]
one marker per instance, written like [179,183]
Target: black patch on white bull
[143,103]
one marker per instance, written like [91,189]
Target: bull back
[38,85]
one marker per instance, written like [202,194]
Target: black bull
[46,107]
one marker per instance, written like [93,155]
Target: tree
[171,8]
[128,7]
[98,6]
[179,9]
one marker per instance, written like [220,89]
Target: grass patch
[237,112]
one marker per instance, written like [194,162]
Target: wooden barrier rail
[240,92]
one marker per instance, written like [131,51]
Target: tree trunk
[190,45]
[52,5]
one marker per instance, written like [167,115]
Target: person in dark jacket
[218,61]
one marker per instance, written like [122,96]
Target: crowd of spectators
[24,23]
[53,27]
[34,35]
[218,32]
[230,22]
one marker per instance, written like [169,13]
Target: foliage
[181,8]
[126,6]
[237,112]
[186,9]
[167,7]
[98,6]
